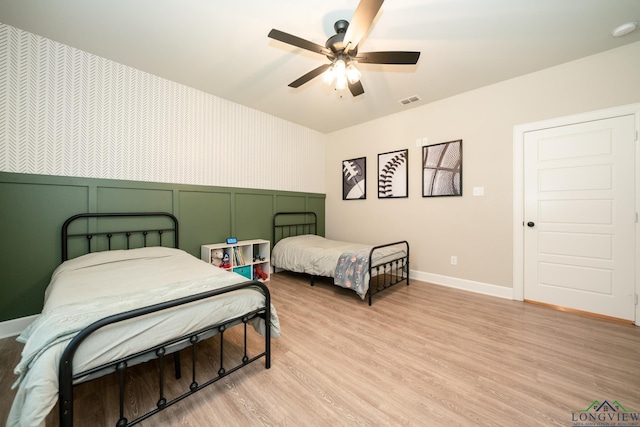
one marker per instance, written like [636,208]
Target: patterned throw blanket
[351,271]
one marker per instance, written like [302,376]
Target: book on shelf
[238,256]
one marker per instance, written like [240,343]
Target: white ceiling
[221,47]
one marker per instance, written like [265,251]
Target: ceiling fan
[342,50]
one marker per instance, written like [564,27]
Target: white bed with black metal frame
[124,303]
[366,269]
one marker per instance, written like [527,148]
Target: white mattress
[97,285]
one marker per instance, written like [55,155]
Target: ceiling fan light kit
[353,74]
[342,74]
[342,50]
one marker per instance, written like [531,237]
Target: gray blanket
[352,270]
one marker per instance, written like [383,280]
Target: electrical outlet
[454,260]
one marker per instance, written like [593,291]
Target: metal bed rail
[67,377]
[388,273]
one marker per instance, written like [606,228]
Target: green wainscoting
[33,208]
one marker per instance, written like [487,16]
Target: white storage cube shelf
[244,257]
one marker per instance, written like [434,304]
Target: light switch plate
[478,191]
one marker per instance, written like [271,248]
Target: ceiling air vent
[409,100]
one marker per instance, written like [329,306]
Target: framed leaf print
[393,180]
[442,169]
[354,173]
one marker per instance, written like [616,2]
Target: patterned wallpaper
[67,112]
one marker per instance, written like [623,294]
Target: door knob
[531,224]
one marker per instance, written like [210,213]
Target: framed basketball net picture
[442,169]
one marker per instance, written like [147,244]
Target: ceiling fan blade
[406,58]
[310,75]
[298,42]
[356,88]
[360,23]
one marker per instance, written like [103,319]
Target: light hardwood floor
[422,355]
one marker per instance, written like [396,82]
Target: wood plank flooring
[421,355]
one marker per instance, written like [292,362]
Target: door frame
[518,186]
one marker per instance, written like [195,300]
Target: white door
[579,214]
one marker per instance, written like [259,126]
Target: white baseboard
[14,327]
[467,285]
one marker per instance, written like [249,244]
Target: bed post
[65,399]
[267,325]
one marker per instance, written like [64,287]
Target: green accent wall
[33,208]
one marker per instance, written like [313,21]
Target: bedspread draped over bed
[97,285]
[319,256]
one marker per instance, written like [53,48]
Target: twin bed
[120,305]
[125,295]
[366,269]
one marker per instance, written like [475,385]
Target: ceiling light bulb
[341,82]
[624,29]
[353,74]
[339,68]
[328,76]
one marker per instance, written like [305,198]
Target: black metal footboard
[67,377]
[387,274]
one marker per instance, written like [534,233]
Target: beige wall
[478,230]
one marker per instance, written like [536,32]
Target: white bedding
[318,256]
[93,286]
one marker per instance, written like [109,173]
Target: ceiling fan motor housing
[336,42]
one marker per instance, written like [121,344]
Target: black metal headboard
[288,224]
[126,234]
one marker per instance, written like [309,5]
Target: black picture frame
[354,174]
[442,169]
[393,177]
